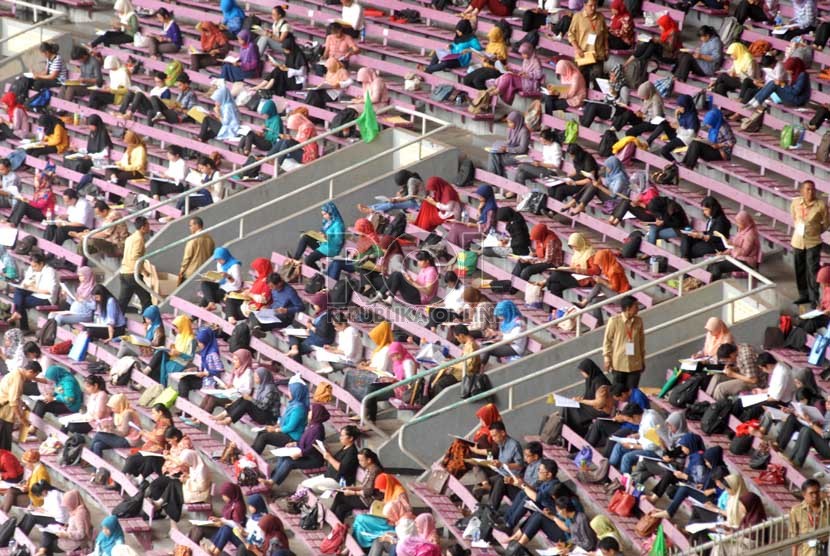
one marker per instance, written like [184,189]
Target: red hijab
[10,100]
[368,236]
[428,217]
[273,529]
[541,234]
[212,36]
[622,13]
[263,269]
[668,27]
[488,415]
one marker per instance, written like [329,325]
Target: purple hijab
[249,53]
[314,430]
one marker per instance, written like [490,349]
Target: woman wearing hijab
[22,495]
[604,528]
[493,57]
[231,281]
[233,509]
[374,86]
[441,204]
[309,457]
[717,334]
[795,93]
[333,229]
[586,170]
[289,76]
[519,235]
[464,233]
[225,124]
[379,361]
[262,405]
[696,244]
[367,250]
[746,247]
[750,508]
[263,534]
[16,121]
[424,534]
[595,401]
[704,491]
[214,46]
[98,146]
[518,143]
[691,449]
[124,27]
[153,333]
[67,397]
[743,67]
[457,53]
[359,496]
[254,298]
[513,324]
[211,364]
[719,141]
[76,534]
[177,357]
[320,327]
[562,279]
[670,219]
[119,83]
[677,428]
[55,137]
[652,107]
[233,17]
[133,163]
[547,253]
[616,98]
[336,80]
[621,35]
[249,64]
[608,278]
[570,75]
[124,431]
[367,527]
[12,350]
[291,424]
[270,133]
[239,381]
[664,48]
[110,536]
[83,307]
[616,188]
[679,134]
[304,130]
[527,79]
[257,509]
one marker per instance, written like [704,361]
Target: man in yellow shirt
[624,346]
[133,250]
[588,34]
[810,220]
[196,251]
[11,405]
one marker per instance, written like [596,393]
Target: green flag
[367,123]
[659,546]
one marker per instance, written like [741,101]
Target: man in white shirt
[39,287]
[9,184]
[352,18]
[549,165]
[780,386]
[79,217]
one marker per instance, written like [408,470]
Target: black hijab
[594,380]
[48,123]
[517,229]
[99,138]
[583,161]
[464,31]
[295,59]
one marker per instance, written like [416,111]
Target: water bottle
[12,544]
[363,34]
[476,535]
[778,19]
[342,482]
[39,133]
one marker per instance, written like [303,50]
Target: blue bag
[80,345]
[819,349]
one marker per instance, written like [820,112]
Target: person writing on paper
[588,34]
[40,286]
[193,484]
[718,143]
[224,123]
[262,405]
[123,432]
[527,80]
[320,328]
[98,146]
[119,82]
[358,497]
[139,102]
[568,74]
[55,137]
[596,400]
[795,93]
[396,515]
[664,48]
[339,45]
[348,345]
[288,76]
[213,46]
[177,357]
[464,233]
[518,143]
[746,247]
[694,244]
[811,326]
[333,230]
[691,450]
[458,52]
[109,242]
[233,510]
[512,486]
[309,457]
[248,65]
[815,435]
[9,184]
[518,240]
[214,292]
[168,43]
[368,251]
[548,253]
[79,218]
[153,334]
[51,512]
[108,316]
[513,325]
[211,364]
[265,138]
[143,466]
[586,170]
[744,67]
[410,190]
[90,74]
[16,121]
[493,56]
[336,80]
[551,163]
[566,524]
[22,494]
[274,38]
[621,32]
[562,279]
[669,219]
[704,61]
[442,203]
[257,509]
[285,304]
[810,219]
[42,202]
[291,424]
[649,440]
[780,386]
[469,365]
[740,371]
[616,98]
[174,110]
[240,381]
[95,398]
[651,110]
[415,290]
[304,130]
[76,534]
[342,465]
[617,187]
[717,334]
[124,26]
[374,86]
[254,298]
[67,396]
[542,491]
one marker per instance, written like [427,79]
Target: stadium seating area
[760,180]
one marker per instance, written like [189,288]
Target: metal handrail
[775,527]
[768,285]
[35,7]
[223,177]
[33,26]
[240,217]
[574,315]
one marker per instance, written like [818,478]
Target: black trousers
[718,270]
[158,107]
[136,102]
[477,79]
[497,490]
[30,520]
[129,286]
[562,191]
[6,435]
[559,281]
[187,384]
[265,439]
[210,129]
[698,150]
[139,465]
[59,234]
[41,151]
[211,293]
[307,242]
[686,64]
[593,110]
[343,505]
[25,209]
[691,248]
[616,43]
[822,34]
[822,115]
[160,188]
[112,37]
[806,262]
[241,407]
[725,83]
[100,99]
[55,408]
[254,140]
[744,10]
[630,379]
[123,176]
[101,332]
[396,284]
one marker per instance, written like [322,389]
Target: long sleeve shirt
[10,467]
[134,160]
[46,280]
[809,222]
[805,14]
[584,30]
[625,343]
[133,250]
[286,298]
[173,33]
[58,139]
[196,252]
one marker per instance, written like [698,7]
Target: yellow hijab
[603,527]
[496,46]
[742,59]
[735,511]
[120,405]
[381,335]
[581,250]
[184,336]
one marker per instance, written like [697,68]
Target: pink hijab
[717,334]
[86,283]
[569,74]
[374,85]
[746,243]
[425,542]
[398,365]
[244,357]
[77,511]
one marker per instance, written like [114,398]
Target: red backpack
[334,541]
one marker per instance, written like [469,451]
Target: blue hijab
[693,442]
[231,12]
[714,119]
[107,542]
[257,502]
[616,179]
[207,338]
[689,119]
[230,114]
[486,193]
[299,396]
[225,255]
[714,457]
[331,209]
[509,313]
[152,314]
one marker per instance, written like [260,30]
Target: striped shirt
[57,67]
[805,14]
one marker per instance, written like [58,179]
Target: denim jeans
[106,441]
[403,205]
[625,459]
[665,233]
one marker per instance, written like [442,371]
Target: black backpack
[685,393]
[487,517]
[240,337]
[315,284]
[341,294]
[7,531]
[72,450]
[716,417]
[631,247]
[606,142]
[46,335]
[343,117]
[397,227]
[466,173]
[130,507]
[310,518]
[696,411]
[506,29]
